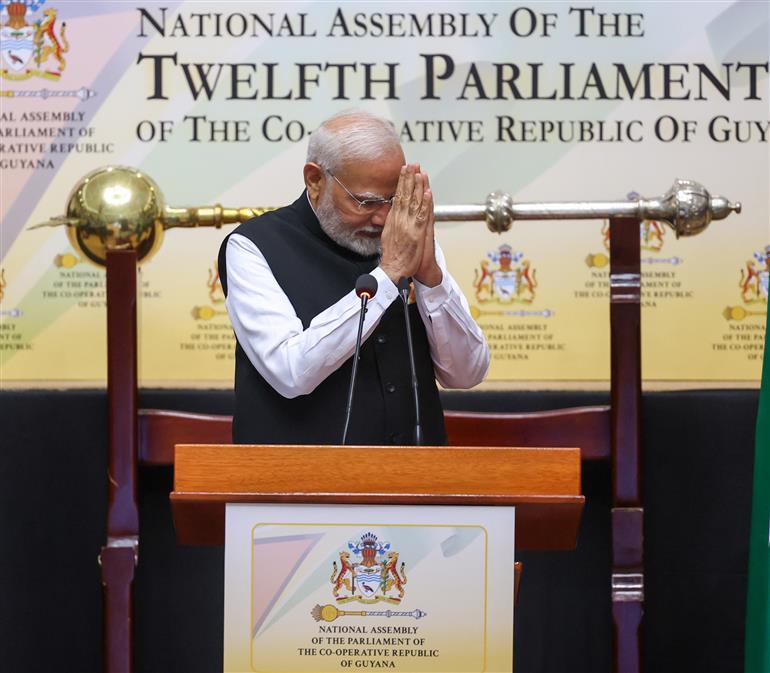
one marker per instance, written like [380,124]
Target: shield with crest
[17,46]
[506,285]
[368,581]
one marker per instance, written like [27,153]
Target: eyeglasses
[369,205]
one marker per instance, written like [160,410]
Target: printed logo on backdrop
[211,334]
[744,332]
[753,287]
[652,238]
[216,297]
[10,338]
[505,287]
[32,43]
[503,278]
[660,276]
[12,312]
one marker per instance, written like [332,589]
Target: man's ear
[313,175]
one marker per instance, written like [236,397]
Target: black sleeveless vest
[315,272]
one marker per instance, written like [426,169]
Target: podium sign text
[311,589]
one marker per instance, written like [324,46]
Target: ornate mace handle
[687,208]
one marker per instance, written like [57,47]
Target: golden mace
[329,613]
[739,313]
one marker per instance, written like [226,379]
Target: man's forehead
[374,171]
[393,156]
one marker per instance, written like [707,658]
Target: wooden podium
[607,433]
[542,483]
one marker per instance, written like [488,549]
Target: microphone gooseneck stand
[403,291]
[366,288]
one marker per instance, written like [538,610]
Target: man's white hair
[352,135]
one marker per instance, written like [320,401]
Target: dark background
[698,457]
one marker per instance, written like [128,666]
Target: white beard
[341,233]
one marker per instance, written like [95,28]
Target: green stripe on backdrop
[758,599]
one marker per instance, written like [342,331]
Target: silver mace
[687,208]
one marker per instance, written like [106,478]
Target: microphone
[366,288]
[403,290]
[366,285]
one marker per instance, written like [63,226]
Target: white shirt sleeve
[292,360]
[458,347]
[295,360]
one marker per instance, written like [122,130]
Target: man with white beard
[289,278]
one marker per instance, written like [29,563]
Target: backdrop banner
[546,101]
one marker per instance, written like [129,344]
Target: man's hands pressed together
[407,236]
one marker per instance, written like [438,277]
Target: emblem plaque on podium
[350,587]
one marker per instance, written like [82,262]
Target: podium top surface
[543,483]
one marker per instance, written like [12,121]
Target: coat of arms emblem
[214,284]
[368,572]
[216,295]
[755,278]
[29,46]
[754,285]
[505,277]
[652,236]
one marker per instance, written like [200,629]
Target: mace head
[690,208]
[115,207]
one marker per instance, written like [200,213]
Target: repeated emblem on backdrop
[12,312]
[31,45]
[214,284]
[754,287]
[216,297]
[652,238]
[651,233]
[368,572]
[754,278]
[505,277]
